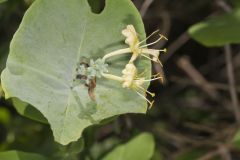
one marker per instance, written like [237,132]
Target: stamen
[153,59]
[159,74]
[158,60]
[148,37]
[153,53]
[156,75]
[149,80]
[150,93]
[150,44]
[164,37]
[147,57]
[150,103]
[141,74]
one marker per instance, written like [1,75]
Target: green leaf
[218,31]
[139,148]
[236,3]
[53,37]
[1,91]
[236,140]
[71,151]
[3,55]
[28,111]
[194,153]
[5,116]
[17,155]
[191,154]
[1,1]
[100,149]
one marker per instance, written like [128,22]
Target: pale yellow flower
[130,78]
[136,48]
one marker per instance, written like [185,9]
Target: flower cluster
[130,78]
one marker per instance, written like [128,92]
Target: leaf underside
[52,39]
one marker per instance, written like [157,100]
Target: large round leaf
[53,38]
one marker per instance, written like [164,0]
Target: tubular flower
[136,48]
[130,78]
[129,73]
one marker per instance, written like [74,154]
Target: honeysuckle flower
[130,79]
[136,48]
[129,73]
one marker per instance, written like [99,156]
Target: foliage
[1,1]
[141,148]
[15,155]
[219,30]
[43,58]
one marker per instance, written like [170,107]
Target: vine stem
[231,81]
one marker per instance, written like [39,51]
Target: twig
[199,127]
[197,77]
[230,70]
[146,4]
[235,62]
[179,42]
[166,25]
[222,150]
[209,155]
[224,5]
[185,81]
[231,79]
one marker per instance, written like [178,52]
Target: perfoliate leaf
[52,39]
[218,31]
